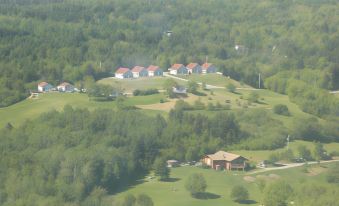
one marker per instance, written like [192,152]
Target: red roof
[192,65]
[137,69]
[206,65]
[122,70]
[152,68]
[42,84]
[176,66]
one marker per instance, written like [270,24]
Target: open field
[32,108]
[219,184]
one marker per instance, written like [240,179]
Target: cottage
[44,87]
[178,69]
[224,160]
[123,73]
[139,71]
[154,71]
[194,68]
[208,68]
[65,87]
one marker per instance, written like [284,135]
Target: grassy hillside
[219,185]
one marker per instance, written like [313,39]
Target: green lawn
[219,186]
[32,108]
[129,85]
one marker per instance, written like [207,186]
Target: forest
[75,40]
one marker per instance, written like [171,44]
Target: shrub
[239,193]
[196,184]
[138,92]
[281,109]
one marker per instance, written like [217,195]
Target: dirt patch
[273,176]
[249,179]
[313,171]
[268,177]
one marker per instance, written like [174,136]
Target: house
[139,71]
[123,73]
[178,69]
[194,68]
[172,163]
[65,87]
[154,71]
[208,68]
[225,160]
[44,87]
[179,90]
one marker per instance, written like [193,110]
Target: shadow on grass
[248,202]
[206,196]
[171,179]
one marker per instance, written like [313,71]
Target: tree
[239,193]
[320,152]
[230,87]
[304,153]
[253,97]
[144,200]
[129,200]
[196,184]
[277,194]
[160,169]
[192,87]
[203,86]
[281,109]
[168,86]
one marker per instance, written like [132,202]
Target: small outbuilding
[154,71]
[194,68]
[139,71]
[123,73]
[180,90]
[173,163]
[65,87]
[44,87]
[178,69]
[208,68]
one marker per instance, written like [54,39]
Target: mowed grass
[219,185]
[129,85]
[31,108]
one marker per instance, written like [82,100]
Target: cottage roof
[152,68]
[43,84]
[176,66]
[64,84]
[206,65]
[221,155]
[137,69]
[122,70]
[192,65]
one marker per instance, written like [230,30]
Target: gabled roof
[221,155]
[153,68]
[64,84]
[122,70]
[176,66]
[137,69]
[192,65]
[206,65]
[43,84]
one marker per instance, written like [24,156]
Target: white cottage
[123,73]
[65,87]
[208,68]
[44,87]
[178,69]
[139,71]
[154,71]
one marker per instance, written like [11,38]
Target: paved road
[208,86]
[287,166]
[334,92]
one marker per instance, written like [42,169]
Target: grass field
[219,185]
[32,108]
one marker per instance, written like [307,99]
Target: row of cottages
[63,87]
[192,68]
[138,71]
[225,161]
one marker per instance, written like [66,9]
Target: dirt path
[287,166]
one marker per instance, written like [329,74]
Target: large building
[225,161]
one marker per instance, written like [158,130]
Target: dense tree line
[67,40]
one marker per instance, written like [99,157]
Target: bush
[196,184]
[239,193]
[138,92]
[281,109]
[333,174]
